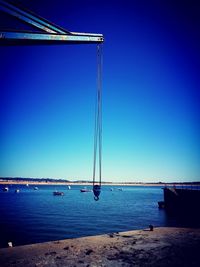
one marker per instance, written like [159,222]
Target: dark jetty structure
[185,201]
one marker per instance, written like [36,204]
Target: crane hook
[96,191]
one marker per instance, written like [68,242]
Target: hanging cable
[98,127]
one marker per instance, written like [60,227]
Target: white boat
[69,187]
[16,190]
[84,190]
[27,184]
[35,188]
[5,189]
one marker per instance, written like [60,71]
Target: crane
[50,34]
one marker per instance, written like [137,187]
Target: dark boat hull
[58,193]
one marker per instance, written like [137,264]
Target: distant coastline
[49,181]
[78,183]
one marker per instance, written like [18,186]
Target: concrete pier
[162,247]
[182,200]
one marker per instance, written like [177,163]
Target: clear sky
[151,83]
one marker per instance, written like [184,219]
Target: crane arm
[17,37]
[51,33]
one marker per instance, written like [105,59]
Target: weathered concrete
[159,248]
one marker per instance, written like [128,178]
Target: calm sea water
[33,216]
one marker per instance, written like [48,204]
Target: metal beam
[53,34]
[10,38]
[30,18]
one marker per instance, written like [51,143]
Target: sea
[34,216]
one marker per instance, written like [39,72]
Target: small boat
[119,189]
[111,189]
[161,204]
[57,193]
[84,190]
[16,190]
[69,187]
[35,188]
[27,184]
[5,189]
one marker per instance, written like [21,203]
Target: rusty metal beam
[53,34]
[12,38]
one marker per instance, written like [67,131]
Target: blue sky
[150,94]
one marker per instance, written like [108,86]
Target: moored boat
[5,189]
[57,193]
[35,188]
[161,204]
[16,190]
[84,190]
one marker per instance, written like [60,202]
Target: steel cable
[98,126]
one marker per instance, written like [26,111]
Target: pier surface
[161,247]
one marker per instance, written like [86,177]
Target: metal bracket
[53,33]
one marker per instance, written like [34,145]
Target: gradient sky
[151,83]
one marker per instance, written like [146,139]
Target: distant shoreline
[14,182]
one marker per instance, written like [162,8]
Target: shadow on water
[181,219]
